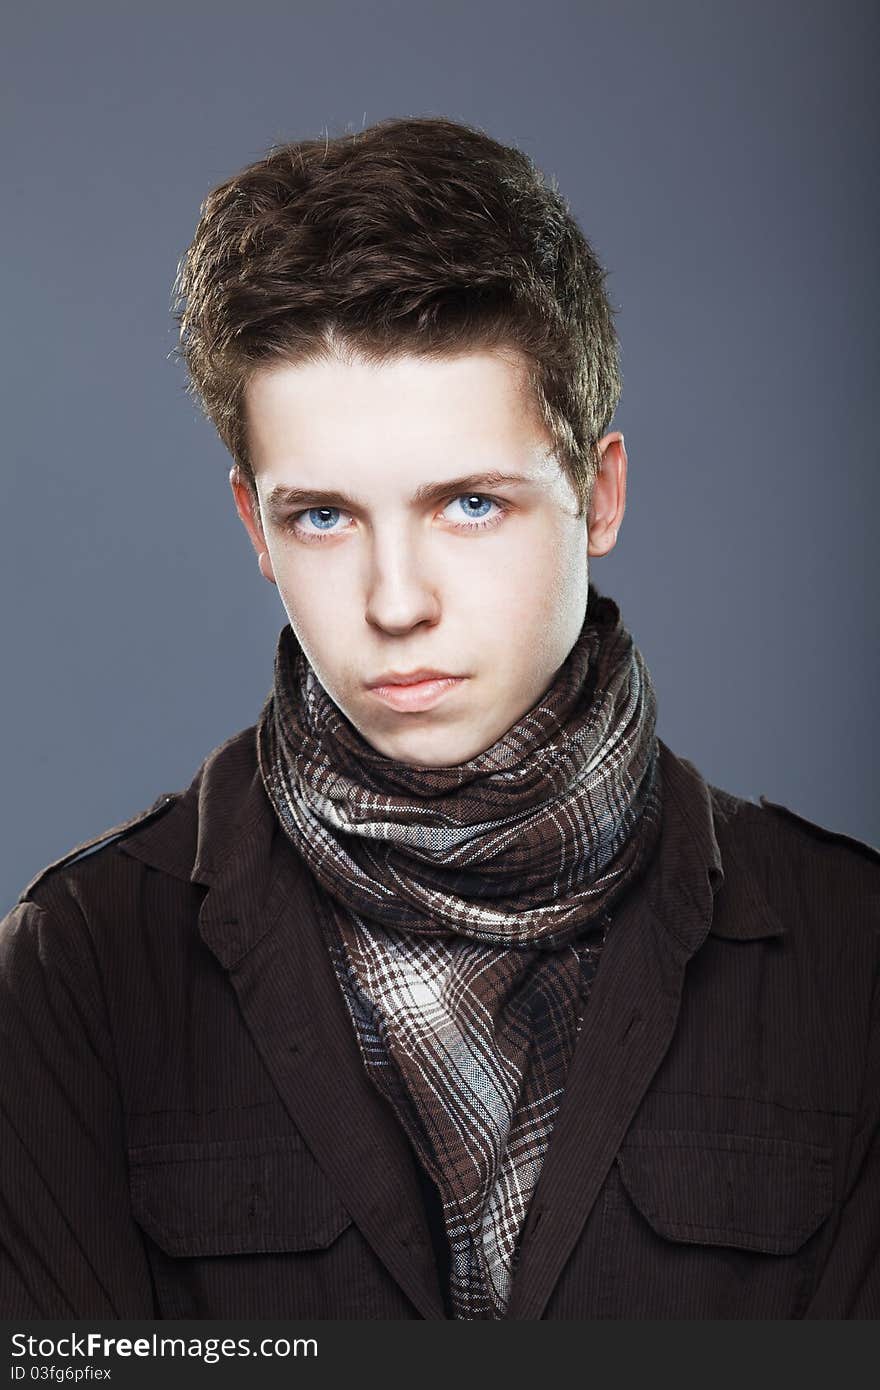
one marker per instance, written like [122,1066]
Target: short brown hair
[414,235]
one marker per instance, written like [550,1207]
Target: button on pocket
[234,1197]
[253,1228]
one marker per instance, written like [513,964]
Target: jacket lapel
[259,919]
[281,971]
[628,1025]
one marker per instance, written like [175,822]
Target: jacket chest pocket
[249,1228]
[712,1225]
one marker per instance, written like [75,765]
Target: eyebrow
[283,499]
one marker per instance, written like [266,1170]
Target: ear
[247,508]
[608,500]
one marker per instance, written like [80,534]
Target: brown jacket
[188,1131]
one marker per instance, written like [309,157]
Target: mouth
[417,691]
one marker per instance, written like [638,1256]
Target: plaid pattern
[466,913]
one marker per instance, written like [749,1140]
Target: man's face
[395,551]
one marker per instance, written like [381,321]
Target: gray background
[721,156]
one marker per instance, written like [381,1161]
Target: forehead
[425,411]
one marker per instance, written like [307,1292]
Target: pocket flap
[728,1189]
[241,1196]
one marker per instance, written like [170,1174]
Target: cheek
[533,582]
[315,608]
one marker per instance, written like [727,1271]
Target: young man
[447,990]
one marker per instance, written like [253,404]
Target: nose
[400,593]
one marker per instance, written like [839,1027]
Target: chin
[427,750]
[424,755]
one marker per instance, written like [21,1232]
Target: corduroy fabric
[460,903]
[167,1003]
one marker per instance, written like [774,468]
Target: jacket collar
[704,850]
[208,822]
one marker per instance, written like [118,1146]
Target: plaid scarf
[465,912]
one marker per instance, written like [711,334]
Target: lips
[416,690]
[423,673]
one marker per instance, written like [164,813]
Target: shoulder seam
[106,838]
[821,832]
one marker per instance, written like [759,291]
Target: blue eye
[323,517]
[482,504]
[475,511]
[316,523]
